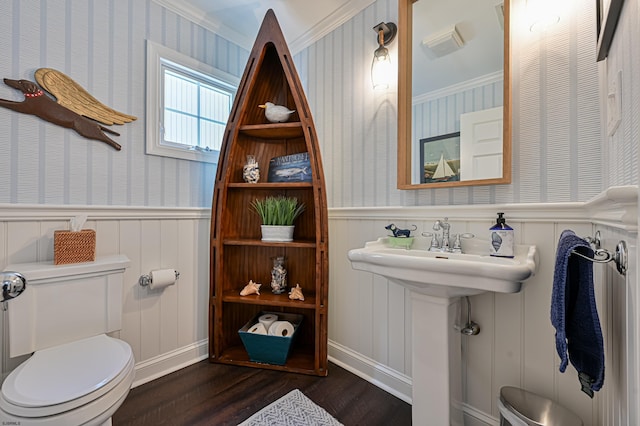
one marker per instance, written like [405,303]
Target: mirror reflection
[454,126]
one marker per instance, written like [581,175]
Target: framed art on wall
[440,158]
[607,14]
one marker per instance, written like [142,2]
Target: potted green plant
[277,215]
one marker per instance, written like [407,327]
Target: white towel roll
[257,328]
[267,320]
[281,328]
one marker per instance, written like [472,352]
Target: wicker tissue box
[74,247]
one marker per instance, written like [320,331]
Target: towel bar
[601,255]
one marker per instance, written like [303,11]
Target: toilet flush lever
[13,283]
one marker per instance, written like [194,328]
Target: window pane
[214,104]
[211,134]
[195,110]
[180,128]
[180,94]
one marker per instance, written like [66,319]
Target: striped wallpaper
[101,45]
[557,150]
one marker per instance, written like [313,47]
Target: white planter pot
[277,233]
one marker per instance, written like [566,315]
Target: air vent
[445,42]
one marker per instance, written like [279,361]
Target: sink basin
[447,274]
[437,281]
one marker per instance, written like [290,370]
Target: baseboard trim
[479,416]
[387,379]
[169,362]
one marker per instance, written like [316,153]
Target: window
[188,105]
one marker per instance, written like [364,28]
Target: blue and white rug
[293,409]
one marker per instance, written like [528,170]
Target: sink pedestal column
[436,361]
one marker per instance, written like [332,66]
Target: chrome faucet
[439,244]
[444,226]
[443,244]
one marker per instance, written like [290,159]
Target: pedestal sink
[437,281]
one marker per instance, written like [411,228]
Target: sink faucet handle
[457,245]
[435,245]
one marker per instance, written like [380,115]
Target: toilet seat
[66,377]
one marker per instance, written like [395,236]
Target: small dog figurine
[400,233]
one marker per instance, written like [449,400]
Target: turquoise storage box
[268,349]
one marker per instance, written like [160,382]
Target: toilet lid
[63,373]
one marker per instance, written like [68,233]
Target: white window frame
[158,57]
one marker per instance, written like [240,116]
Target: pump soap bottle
[501,238]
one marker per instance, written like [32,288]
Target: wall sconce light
[381,71]
[542,14]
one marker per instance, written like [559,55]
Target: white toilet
[77,374]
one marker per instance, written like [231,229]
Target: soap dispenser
[501,239]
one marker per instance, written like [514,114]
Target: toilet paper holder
[146,280]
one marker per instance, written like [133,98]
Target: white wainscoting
[369,321]
[369,317]
[167,329]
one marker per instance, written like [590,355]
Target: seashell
[296,293]
[496,240]
[251,288]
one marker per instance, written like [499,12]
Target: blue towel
[574,314]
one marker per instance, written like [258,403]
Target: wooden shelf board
[301,360]
[251,242]
[273,130]
[267,298]
[271,185]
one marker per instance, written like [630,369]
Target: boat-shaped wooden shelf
[237,252]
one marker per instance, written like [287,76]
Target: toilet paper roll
[162,278]
[267,320]
[257,328]
[281,328]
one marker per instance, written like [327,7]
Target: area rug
[293,409]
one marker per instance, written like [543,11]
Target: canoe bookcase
[237,252]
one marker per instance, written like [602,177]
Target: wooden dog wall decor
[74,107]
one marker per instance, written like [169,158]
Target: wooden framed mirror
[428,115]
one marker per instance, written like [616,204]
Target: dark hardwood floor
[215,394]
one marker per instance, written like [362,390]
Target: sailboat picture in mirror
[440,158]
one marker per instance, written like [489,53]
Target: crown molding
[315,33]
[459,87]
[333,21]
[198,16]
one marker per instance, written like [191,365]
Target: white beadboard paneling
[168,296]
[537,368]
[167,329]
[369,317]
[130,241]
[150,307]
[516,345]
[187,261]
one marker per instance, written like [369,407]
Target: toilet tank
[64,303]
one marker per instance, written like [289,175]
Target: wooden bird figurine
[75,108]
[276,113]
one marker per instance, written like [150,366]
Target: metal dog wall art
[400,233]
[74,109]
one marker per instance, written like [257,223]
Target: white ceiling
[305,21]
[302,21]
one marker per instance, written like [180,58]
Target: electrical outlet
[614,103]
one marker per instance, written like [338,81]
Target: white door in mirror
[481,144]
